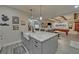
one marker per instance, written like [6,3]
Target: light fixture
[40,18]
[40,13]
[76,6]
[31,14]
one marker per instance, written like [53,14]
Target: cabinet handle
[35,45]
[36,42]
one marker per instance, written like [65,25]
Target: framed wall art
[76,17]
[15,20]
[4,17]
[15,27]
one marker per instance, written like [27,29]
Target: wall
[13,12]
[70,19]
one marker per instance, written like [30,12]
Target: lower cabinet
[35,47]
[46,47]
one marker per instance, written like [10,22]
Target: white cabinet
[46,47]
[35,46]
[50,46]
[41,42]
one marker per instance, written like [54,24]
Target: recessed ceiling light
[76,6]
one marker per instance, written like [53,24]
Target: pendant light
[40,12]
[31,14]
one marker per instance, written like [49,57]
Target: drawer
[35,46]
[35,42]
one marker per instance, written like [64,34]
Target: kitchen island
[41,42]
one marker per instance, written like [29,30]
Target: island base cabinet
[46,47]
[50,46]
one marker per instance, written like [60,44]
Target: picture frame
[15,27]
[15,20]
[76,17]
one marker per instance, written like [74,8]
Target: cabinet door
[35,47]
[50,46]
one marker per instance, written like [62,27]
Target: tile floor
[64,44]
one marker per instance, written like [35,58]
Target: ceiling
[47,11]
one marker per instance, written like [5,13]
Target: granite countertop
[41,36]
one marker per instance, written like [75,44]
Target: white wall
[13,12]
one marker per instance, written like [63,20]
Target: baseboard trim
[11,43]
